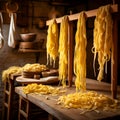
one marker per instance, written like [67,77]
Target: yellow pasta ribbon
[52,42]
[41,89]
[80,53]
[63,50]
[35,67]
[102,38]
[11,70]
[88,101]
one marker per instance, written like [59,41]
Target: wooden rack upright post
[92,13]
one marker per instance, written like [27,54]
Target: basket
[12,7]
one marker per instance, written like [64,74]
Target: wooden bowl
[51,72]
[31,45]
[26,45]
[28,37]
[26,74]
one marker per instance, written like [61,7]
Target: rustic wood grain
[60,113]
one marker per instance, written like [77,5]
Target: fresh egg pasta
[63,50]
[102,44]
[52,42]
[80,53]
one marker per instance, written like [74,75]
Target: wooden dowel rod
[70,54]
[90,13]
[3,11]
[114,71]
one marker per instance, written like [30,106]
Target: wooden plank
[70,53]
[114,59]
[55,110]
[32,50]
[90,13]
[13,76]
[45,80]
[100,86]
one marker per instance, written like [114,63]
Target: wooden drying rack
[92,13]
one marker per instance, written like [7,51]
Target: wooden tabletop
[31,50]
[60,113]
[45,80]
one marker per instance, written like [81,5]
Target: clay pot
[28,37]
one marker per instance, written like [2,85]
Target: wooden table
[60,113]
[45,80]
[9,92]
[9,96]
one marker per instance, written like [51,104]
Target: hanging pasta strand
[63,51]
[102,44]
[52,43]
[80,53]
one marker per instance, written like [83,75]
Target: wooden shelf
[32,50]
[36,51]
[61,3]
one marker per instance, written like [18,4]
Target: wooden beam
[114,58]
[70,53]
[90,13]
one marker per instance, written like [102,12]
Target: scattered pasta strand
[52,42]
[63,50]
[102,38]
[88,101]
[42,89]
[80,53]
[11,70]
